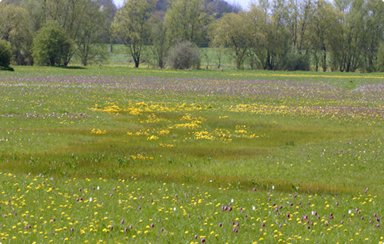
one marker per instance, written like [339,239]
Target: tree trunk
[137,62]
[324,60]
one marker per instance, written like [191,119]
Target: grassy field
[111,154]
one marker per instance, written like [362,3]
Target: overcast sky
[243,3]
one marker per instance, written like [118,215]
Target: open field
[112,154]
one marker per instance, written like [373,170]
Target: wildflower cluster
[191,125]
[101,210]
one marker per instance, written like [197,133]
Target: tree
[233,31]
[258,36]
[52,46]
[380,58]
[131,26]
[108,10]
[324,26]
[70,15]
[15,28]
[5,54]
[87,22]
[305,17]
[84,21]
[158,39]
[375,28]
[354,37]
[186,21]
[90,33]
[35,11]
[279,38]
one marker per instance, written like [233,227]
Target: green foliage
[380,58]
[159,41]
[296,61]
[16,28]
[90,32]
[324,25]
[344,36]
[184,55]
[186,21]
[5,54]
[51,46]
[131,26]
[86,22]
[233,31]
[94,54]
[278,36]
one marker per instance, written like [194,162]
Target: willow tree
[186,21]
[16,29]
[325,35]
[90,34]
[131,26]
[233,31]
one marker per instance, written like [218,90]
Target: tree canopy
[52,46]
[131,26]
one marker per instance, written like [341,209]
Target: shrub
[5,54]
[51,46]
[184,55]
[296,61]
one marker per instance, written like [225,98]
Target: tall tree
[233,31]
[15,28]
[374,34]
[90,34]
[348,56]
[306,14]
[85,21]
[258,36]
[278,36]
[158,39]
[131,26]
[324,26]
[186,21]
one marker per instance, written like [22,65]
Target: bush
[5,54]
[51,46]
[184,55]
[296,61]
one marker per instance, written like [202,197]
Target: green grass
[100,145]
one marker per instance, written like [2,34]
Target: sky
[243,3]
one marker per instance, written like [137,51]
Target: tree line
[342,35]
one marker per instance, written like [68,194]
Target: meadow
[115,155]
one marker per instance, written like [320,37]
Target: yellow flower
[98,132]
[153,138]
[203,135]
